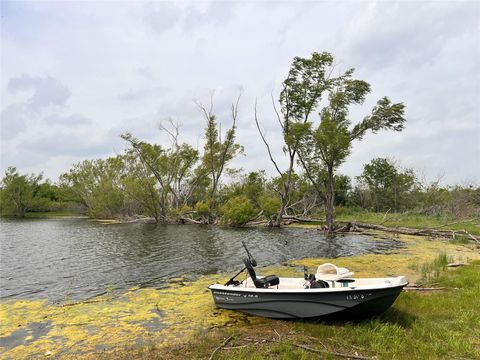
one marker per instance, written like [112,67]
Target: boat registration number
[353,297]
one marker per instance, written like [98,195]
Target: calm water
[76,258]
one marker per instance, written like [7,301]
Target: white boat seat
[330,272]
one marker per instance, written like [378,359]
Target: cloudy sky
[76,75]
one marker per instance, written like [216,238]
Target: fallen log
[410,231]
[456,264]
[186,219]
[301,219]
[415,288]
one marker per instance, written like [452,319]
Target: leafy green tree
[217,153]
[174,172]
[269,205]
[252,185]
[97,185]
[302,91]
[389,187]
[156,161]
[47,198]
[140,187]
[343,186]
[17,192]
[325,147]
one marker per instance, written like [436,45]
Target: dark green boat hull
[349,303]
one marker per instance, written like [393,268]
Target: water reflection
[76,258]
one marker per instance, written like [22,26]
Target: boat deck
[357,283]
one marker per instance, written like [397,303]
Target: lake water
[72,258]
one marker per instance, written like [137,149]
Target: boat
[332,292]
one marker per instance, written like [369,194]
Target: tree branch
[265,142]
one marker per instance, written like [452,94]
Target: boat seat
[263,282]
[330,272]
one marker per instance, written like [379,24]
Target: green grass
[410,220]
[435,325]
[430,272]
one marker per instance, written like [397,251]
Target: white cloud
[161,16]
[46,91]
[13,120]
[95,70]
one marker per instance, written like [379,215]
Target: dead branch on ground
[305,347]
[222,345]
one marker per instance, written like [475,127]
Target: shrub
[269,205]
[238,211]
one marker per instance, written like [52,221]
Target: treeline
[109,188]
[179,183]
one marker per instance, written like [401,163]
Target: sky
[75,75]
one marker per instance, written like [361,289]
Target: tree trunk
[330,202]
[278,219]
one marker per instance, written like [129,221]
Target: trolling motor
[250,263]
[250,257]
[250,260]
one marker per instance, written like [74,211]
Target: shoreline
[166,317]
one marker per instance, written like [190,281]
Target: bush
[238,211]
[269,205]
[202,209]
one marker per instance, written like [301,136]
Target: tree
[343,186]
[302,91]
[324,148]
[17,192]
[96,184]
[238,210]
[167,174]
[217,153]
[47,198]
[387,184]
[140,186]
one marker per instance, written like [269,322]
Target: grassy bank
[409,220]
[181,322]
[436,325]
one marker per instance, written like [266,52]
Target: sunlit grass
[411,220]
[436,325]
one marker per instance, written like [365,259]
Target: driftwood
[415,288]
[305,347]
[261,222]
[300,218]
[186,219]
[456,264]
[236,347]
[222,345]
